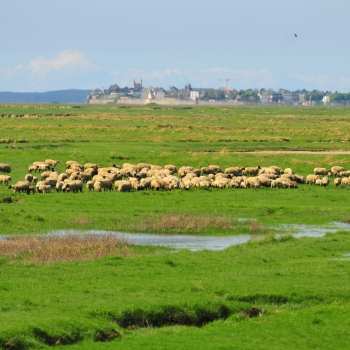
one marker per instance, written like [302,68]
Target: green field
[267,294]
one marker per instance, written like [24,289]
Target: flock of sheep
[144,176]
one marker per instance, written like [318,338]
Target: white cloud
[70,58]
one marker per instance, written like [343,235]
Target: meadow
[269,293]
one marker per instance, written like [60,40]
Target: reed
[52,249]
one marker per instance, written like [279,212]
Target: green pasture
[271,293]
[197,136]
[265,294]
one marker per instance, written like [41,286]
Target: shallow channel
[195,243]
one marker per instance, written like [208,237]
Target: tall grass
[52,249]
[183,222]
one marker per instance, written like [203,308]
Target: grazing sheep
[97,186]
[107,185]
[42,167]
[253,182]
[311,179]
[5,168]
[216,168]
[325,181]
[70,162]
[234,171]
[20,186]
[28,177]
[345,181]
[288,171]
[300,179]
[206,170]
[321,171]
[93,166]
[59,185]
[45,189]
[172,168]
[32,168]
[5,179]
[31,189]
[84,177]
[183,171]
[123,185]
[337,169]
[251,171]
[35,179]
[337,181]
[73,186]
[318,182]
[268,171]
[277,169]
[62,176]
[264,181]
[140,166]
[90,185]
[51,162]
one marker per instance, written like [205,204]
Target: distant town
[138,94]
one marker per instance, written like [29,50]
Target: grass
[98,292]
[280,291]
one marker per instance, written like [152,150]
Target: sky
[75,44]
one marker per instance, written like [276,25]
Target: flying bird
[295,35]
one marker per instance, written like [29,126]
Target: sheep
[265,181]
[140,166]
[20,186]
[267,171]
[184,170]
[321,171]
[311,179]
[74,186]
[156,185]
[45,175]
[325,181]
[35,179]
[345,181]
[42,167]
[38,185]
[70,162]
[145,183]
[234,171]
[5,179]
[251,171]
[123,185]
[28,177]
[93,166]
[156,167]
[318,182]
[172,168]
[337,181]
[5,168]
[45,188]
[32,168]
[253,182]
[50,181]
[107,185]
[300,179]
[337,169]
[90,185]
[84,177]
[206,170]
[31,189]
[59,185]
[97,186]
[216,168]
[51,162]
[62,176]
[277,169]
[288,171]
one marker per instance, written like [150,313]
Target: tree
[314,95]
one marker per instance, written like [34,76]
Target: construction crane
[228,79]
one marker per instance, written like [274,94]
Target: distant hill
[62,96]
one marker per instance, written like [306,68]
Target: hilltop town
[138,94]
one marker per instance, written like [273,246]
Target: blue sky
[53,45]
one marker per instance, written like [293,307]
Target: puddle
[195,243]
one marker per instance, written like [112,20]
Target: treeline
[62,96]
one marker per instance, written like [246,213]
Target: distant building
[160,95]
[264,97]
[276,97]
[287,96]
[326,100]
[194,95]
[137,85]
